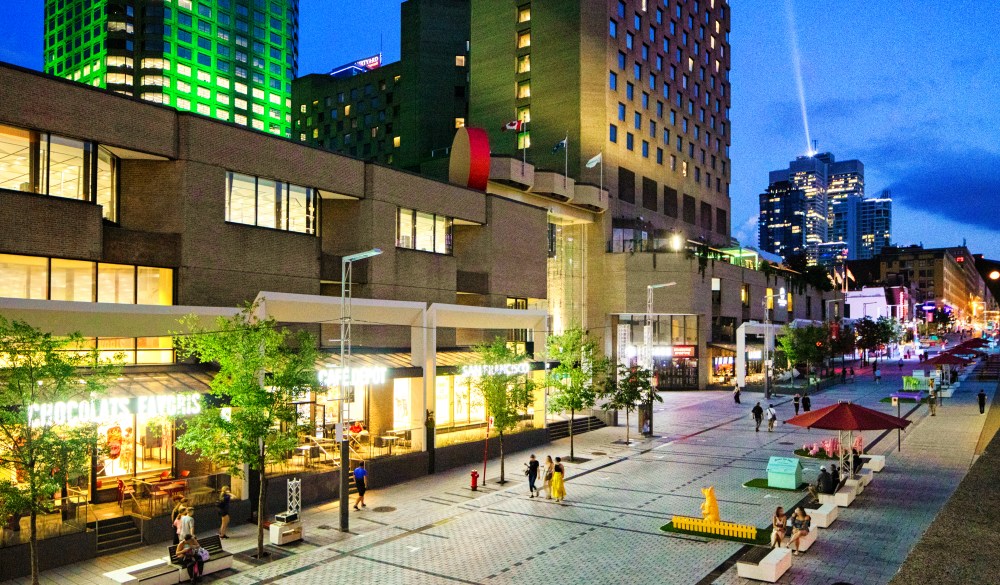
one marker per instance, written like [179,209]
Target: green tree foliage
[262,371]
[506,394]
[573,378]
[844,343]
[628,389]
[808,345]
[37,368]
[872,335]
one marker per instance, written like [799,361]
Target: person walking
[772,417]
[736,392]
[532,472]
[900,364]
[852,375]
[982,401]
[932,399]
[223,505]
[878,375]
[806,402]
[175,515]
[549,471]
[800,528]
[795,402]
[778,527]
[758,416]
[189,551]
[558,481]
[361,484]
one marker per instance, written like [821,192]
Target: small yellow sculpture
[710,509]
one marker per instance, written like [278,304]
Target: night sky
[909,88]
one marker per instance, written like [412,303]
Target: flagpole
[601,194]
[566,153]
[524,148]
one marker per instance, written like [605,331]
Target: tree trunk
[628,425]
[572,417]
[501,458]
[261,507]
[33,523]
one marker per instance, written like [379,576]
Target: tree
[808,345]
[868,335]
[573,378]
[625,391]
[843,344]
[506,391]
[44,449]
[262,371]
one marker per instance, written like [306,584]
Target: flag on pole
[514,125]
[560,145]
[850,275]
[598,159]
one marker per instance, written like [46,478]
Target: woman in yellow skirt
[558,482]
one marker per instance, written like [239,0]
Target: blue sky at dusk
[909,88]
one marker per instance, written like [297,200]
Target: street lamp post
[782,301]
[346,270]
[647,338]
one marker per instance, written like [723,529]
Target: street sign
[895,401]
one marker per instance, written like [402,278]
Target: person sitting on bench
[824,484]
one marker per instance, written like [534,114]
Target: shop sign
[755,354]
[684,351]
[74,412]
[352,376]
[498,369]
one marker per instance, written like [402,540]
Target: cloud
[960,186]
[746,232]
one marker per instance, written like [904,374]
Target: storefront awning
[159,383]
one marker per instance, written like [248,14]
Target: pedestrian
[843,375]
[795,402]
[900,364]
[189,551]
[852,375]
[778,527]
[772,417]
[558,481]
[532,472]
[878,375]
[932,399]
[800,528]
[823,485]
[549,470]
[736,392]
[806,402]
[982,401]
[223,505]
[175,516]
[361,483]
[758,416]
[187,521]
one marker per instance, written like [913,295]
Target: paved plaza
[435,530]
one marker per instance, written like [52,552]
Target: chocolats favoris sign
[98,410]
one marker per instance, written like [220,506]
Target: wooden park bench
[218,560]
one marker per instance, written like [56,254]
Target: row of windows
[56,279]
[48,164]
[428,232]
[271,204]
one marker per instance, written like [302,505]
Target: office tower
[232,60]
[403,113]
[875,225]
[844,194]
[782,222]
[645,85]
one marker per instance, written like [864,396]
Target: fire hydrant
[475,480]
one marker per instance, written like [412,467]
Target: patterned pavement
[440,532]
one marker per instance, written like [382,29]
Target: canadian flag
[514,125]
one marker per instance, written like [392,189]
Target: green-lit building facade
[232,60]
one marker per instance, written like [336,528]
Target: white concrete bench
[762,564]
[866,475]
[857,484]
[824,516]
[842,498]
[806,541]
[157,572]
[875,462]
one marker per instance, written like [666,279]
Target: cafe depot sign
[100,410]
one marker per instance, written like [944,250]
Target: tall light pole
[647,338]
[346,270]
[782,301]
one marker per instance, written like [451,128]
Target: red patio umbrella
[976,342]
[946,359]
[846,418]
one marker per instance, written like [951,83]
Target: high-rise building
[808,179]
[645,85]
[403,113]
[844,195]
[875,229]
[782,221]
[232,60]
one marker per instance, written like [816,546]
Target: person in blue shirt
[361,483]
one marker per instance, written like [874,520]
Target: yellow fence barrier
[720,528]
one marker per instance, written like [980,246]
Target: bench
[764,564]
[843,498]
[218,560]
[857,483]
[156,572]
[823,516]
[866,476]
[806,541]
[874,462]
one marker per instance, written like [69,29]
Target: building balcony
[512,171]
[591,197]
[554,185]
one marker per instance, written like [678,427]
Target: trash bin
[784,472]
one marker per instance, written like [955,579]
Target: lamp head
[362,255]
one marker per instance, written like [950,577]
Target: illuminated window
[459,60]
[427,232]
[524,114]
[395,141]
[770,298]
[523,39]
[524,89]
[272,204]
[524,64]
[459,122]
[524,14]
